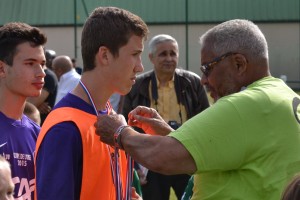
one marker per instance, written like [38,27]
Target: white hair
[238,35]
[159,39]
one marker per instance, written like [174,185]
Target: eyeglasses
[207,68]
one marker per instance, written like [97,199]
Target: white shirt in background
[67,82]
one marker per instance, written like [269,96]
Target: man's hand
[107,125]
[149,120]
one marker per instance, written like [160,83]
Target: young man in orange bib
[71,162]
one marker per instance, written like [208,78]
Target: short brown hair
[110,27]
[14,33]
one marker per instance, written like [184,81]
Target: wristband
[117,136]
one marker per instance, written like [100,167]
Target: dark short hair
[110,27]
[14,33]
[50,55]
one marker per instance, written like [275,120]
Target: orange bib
[97,180]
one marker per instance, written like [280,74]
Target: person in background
[46,100]
[68,78]
[246,145]
[6,183]
[177,95]
[32,112]
[22,60]
[50,55]
[117,100]
[71,162]
[77,68]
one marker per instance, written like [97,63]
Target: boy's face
[126,65]
[6,184]
[26,75]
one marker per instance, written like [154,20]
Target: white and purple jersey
[17,145]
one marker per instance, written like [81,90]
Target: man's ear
[103,55]
[150,55]
[241,63]
[2,69]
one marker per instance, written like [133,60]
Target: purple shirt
[17,145]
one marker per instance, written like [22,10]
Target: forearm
[162,154]
[37,101]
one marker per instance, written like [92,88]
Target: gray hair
[236,35]
[159,39]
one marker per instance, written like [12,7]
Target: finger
[152,112]
[142,119]
[112,112]
[132,122]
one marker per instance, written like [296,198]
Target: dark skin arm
[158,153]
[40,103]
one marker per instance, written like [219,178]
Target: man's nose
[204,80]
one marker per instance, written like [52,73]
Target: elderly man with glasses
[245,146]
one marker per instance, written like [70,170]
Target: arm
[48,90]
[162,154]
[40,103]
[149,120]
[159,153]
[37,101]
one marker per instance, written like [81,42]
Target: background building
[186,20]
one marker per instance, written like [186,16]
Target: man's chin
[216,99]
[214,96]
[125,91]
[35,95]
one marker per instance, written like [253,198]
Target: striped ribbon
[129,177]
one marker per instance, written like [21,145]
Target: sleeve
[59,163]
[215,138]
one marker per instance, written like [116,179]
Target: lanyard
[114,158]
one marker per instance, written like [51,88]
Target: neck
[258,74]
[97,94]
[12,106]
[164,78]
